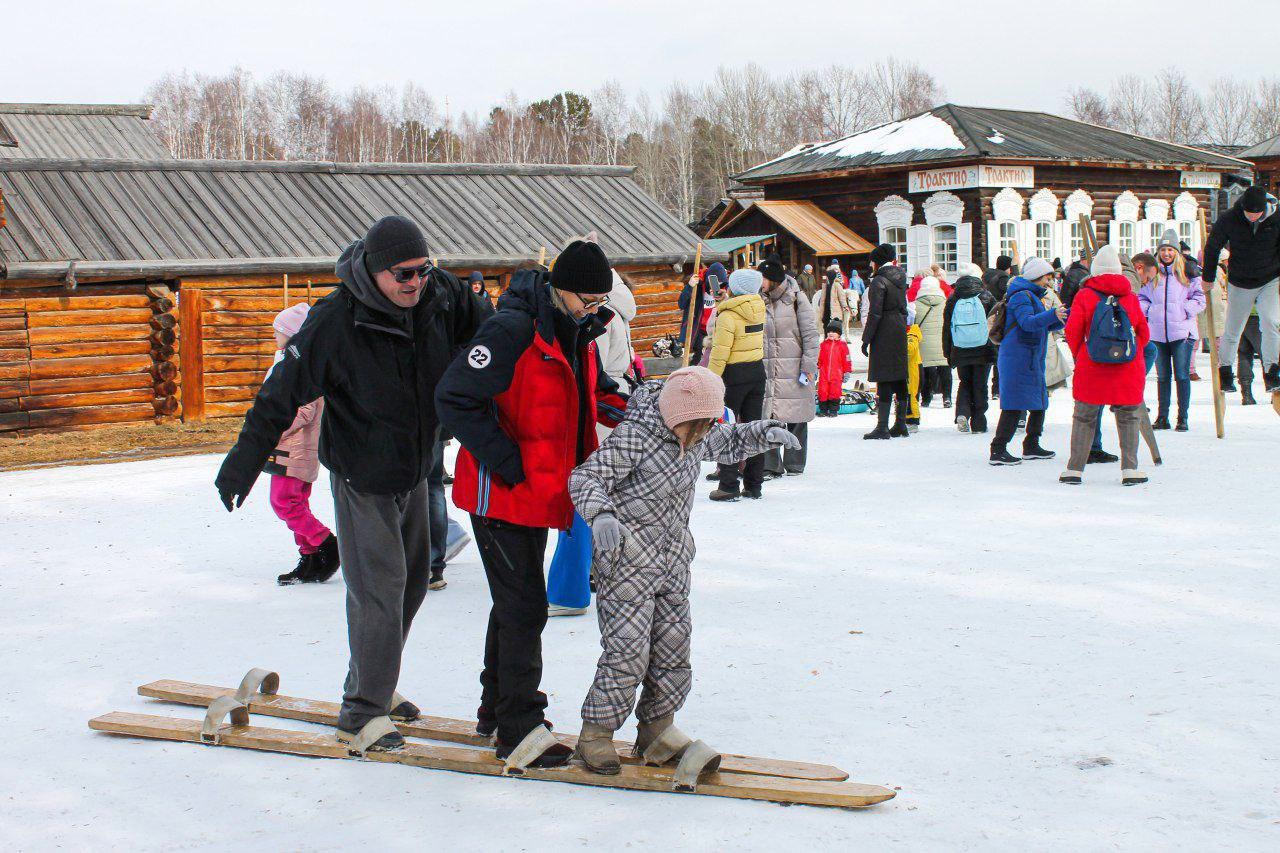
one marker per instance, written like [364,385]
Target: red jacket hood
[1112,284]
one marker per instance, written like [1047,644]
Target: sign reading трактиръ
[968,177]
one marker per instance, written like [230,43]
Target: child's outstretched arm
[731,444]
[592,483]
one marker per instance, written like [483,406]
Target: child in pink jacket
[294,466]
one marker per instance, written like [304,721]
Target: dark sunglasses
[588,304]
[406,274]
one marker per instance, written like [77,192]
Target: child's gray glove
[781,437]
[606,532]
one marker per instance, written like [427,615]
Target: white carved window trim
[1006,214]
[896,212]
[943,210]
[1078,203]
[1185,213]
[1126,207]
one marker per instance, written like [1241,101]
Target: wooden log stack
[165,364]
[75,359]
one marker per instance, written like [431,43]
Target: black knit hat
[582,268]
[393,240]
[771,268]
[1004,262]
[475,276]
[1254,200]
[882,254]
[834,325]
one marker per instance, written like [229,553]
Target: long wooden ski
[450,730]
[466,760]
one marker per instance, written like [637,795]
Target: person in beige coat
[294,465]
[833,293]
[935,372]
[791,343]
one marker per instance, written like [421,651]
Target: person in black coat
[1072,280]
[375,349]
[483,303]
[972,364]
[1251,228]
[996,279]
[884,341]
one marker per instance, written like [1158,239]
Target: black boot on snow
[1031,449]
[1246,396]
[752,494]
[556,755]
[301,572]
[486,722]
[900,428]
[1182,424]
[327,561]
[1097,457]
[882,425]
[1271,378]
[1162,422]
[1226,379]
[1002,456]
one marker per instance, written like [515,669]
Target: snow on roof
[923,133]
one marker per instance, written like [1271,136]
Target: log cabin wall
[98,355]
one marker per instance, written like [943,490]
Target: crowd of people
[559,430]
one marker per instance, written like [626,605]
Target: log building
[1265,157]
[960,183]
[132,289]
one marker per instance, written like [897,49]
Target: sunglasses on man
[588,304]
[404,275]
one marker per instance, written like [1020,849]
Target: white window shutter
[993,242]
[1062,242]
[1026,240]
[964,244]
[1113,237]
[919,247]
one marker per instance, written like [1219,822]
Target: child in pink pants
[294,466]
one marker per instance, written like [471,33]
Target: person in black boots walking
[374,349]
[737,356]
[884,341]
[968,348]
[1022,353]
[523,400]
[1251,228]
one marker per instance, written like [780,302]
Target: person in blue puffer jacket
[1021,362]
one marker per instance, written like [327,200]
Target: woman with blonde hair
[1171,303]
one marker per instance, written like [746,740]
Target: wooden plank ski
[847,795]
[453,731]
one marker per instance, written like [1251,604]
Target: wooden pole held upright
[691,310]
[542,256]
[286,290]
[1088,238]
[1219,399]
[308,291]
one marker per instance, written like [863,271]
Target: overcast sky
[1023,54]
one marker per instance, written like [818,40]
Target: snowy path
[1013,632]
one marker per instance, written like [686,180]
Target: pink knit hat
[289,321]
[689,394]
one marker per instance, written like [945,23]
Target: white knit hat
[1034,268]
[1106,261]
[744,281]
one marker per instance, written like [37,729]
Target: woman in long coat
[884,341]
[791,343]
[931,305]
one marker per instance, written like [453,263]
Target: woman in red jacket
[1098,384]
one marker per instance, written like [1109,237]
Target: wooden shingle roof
[121,131]
[951,133]
[198,217]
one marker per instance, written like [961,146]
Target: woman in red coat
[833,365]
[1095,385]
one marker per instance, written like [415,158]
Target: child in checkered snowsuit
[636,492]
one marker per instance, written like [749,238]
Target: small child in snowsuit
[636,492]
[294,466]
[834,365]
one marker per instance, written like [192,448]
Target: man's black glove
[232,495]
[866,348]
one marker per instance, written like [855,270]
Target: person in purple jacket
[1171,302]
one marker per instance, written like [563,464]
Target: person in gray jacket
[791,343]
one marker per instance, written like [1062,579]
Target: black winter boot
[1271,378]
[301,573]
[326,561]
[900,429]
[882,424]
[1246,396]
[1162,422]
[1182,424]
[1031,449]
[1226,379]
[1002,456]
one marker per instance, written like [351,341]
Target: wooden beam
[191,351]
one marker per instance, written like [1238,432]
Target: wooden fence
[94,357]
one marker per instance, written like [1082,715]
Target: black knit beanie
[393,240]
[882,254]
[771,268]
[1254,200]
[475,276]
[1004,262]
[582,268]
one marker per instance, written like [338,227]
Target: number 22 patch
[479,357]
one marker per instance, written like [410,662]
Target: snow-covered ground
[1036,666]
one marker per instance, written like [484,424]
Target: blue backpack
[1111,339]
[969,324]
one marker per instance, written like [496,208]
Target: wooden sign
[969,177]
[1201,181]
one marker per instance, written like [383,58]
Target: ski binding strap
[698,758]
[529,750]
[211,730]
[257,681]
[666,746]
[369,735]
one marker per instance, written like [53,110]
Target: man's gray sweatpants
[1240,303]
[385,545]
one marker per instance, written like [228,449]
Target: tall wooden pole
[286,290]
[1219,399]
[691,310]
[309,292]
[542,256]
[1089,238]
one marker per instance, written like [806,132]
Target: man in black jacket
[374,348]
[996,280]
[1251,228]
